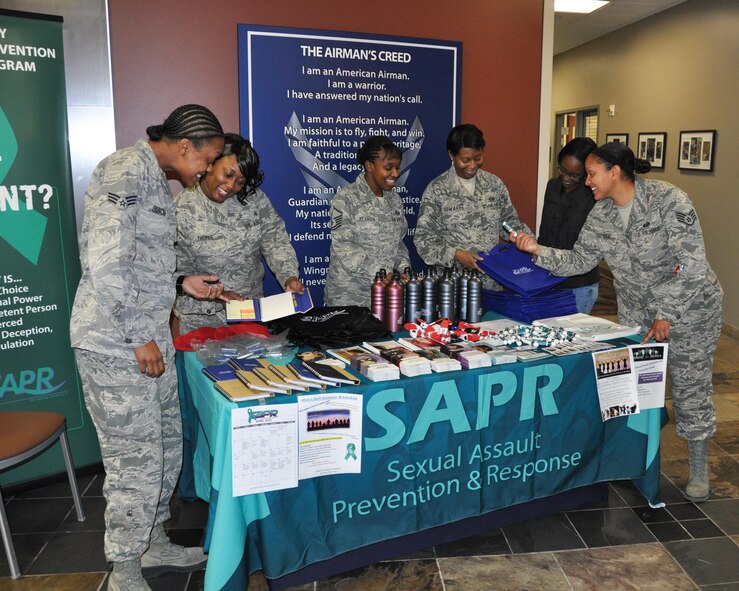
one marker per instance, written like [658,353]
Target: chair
[24,435]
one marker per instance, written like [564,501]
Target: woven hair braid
[193,122]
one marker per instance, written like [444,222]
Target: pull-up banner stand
[39,259]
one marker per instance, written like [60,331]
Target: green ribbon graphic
[23,229]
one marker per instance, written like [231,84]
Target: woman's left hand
[660,331]
[294,284]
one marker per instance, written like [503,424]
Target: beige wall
[678,70]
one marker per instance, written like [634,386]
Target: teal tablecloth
[470,442]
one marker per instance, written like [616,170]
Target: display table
[444,456]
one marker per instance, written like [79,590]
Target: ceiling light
[579,6]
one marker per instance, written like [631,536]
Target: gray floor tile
[708,561]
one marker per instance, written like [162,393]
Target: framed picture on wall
[618,137]
[651,147]
[696,150]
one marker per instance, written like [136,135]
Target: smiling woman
[649,234]
[367,226]
[567,203]
[225,224]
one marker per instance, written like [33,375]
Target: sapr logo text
[36,382]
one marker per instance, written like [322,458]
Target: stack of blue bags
[532,295]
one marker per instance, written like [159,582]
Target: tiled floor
[617,545]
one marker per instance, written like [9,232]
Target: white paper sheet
[589,327]
[330,432]
[616,383]
[264,448]
[650,364]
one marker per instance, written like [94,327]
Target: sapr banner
[309,99]
[435,450]
[38,237]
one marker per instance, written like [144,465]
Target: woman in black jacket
[567,203]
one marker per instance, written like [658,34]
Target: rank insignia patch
[337,219]
[121,201]
[686,218]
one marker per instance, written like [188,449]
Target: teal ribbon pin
[350,451]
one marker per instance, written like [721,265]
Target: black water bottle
[455,280]
[464,280]
[428,291]
[446,295]
[474,298]
[413,308]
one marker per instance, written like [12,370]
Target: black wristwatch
[178,285]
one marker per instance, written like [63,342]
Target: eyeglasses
[571,175]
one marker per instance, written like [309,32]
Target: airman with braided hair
[120,334]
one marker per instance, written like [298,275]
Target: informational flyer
[650,365]
[615,379]
[330,427]
[264,448]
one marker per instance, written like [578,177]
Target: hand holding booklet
[269,308]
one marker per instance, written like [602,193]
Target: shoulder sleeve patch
[686,218]
[122,201]
[336,219]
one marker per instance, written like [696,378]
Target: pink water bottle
[394,304]
[377,297]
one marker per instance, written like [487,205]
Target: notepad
[235,390]
[330,372]
[269,308]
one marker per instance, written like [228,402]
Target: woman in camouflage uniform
[367,226]
[120,334]
[650,236]
[227,237]
[463,209]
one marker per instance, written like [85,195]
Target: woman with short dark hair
[463,209]
[368,226]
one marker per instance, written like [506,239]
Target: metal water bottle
[474,298]
[377,297]
[428,293]
[446,295]
[394,304]
[413,307]
[462,286]
[455,280]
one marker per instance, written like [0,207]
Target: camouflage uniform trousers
[692,344]
[139,427]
